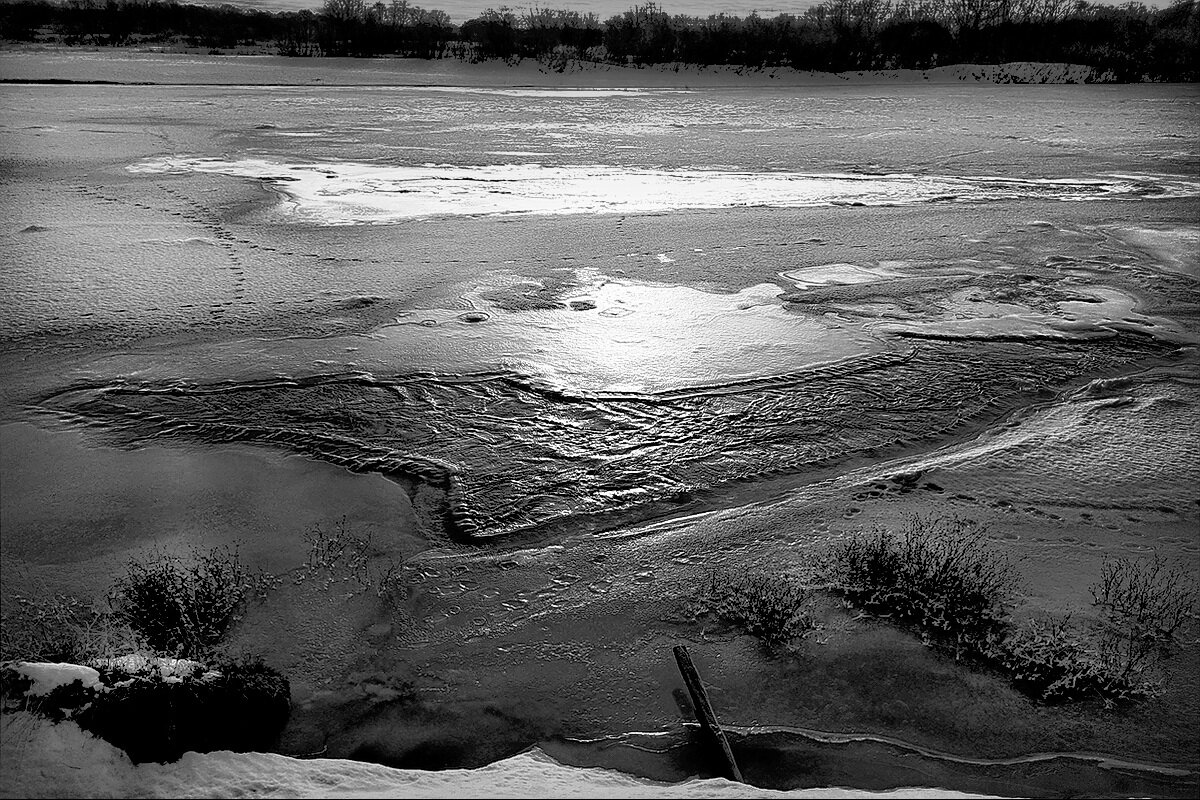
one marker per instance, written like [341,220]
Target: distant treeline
[1132,42]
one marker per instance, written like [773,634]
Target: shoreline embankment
[106,66]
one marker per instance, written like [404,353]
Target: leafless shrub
[184,606]
[338,557]
[61,629]
[939,576]
[772,606]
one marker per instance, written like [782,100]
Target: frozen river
[566,351]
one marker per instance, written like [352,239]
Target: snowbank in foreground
[40,759]
[45,678]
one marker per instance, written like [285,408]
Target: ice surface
[516,455]
[624,336]
[826,274]
[551,93]
[349,193]
[1098,312]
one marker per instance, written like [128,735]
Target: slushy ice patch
[599,334]
[349,193]
[510,456]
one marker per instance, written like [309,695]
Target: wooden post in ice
[704,710]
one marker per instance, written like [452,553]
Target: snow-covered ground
[41,759]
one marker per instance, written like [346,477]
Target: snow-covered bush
[156,709]
[1142,605]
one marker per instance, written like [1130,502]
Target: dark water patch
[512,456]
[58,81]
[989,336]
[526,297]
[474,317]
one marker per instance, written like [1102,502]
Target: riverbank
[34,63]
